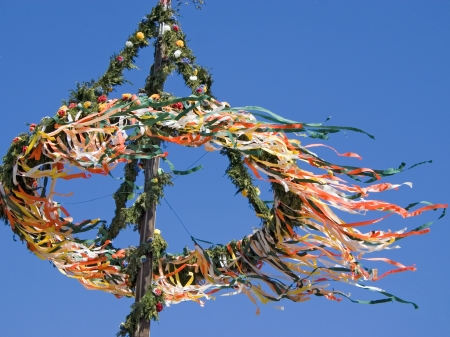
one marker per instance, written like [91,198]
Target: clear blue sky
[382,66]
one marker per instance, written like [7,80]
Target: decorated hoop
[300,237]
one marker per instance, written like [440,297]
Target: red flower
[61,113]
[175,28]
[24,149]
[15,140]
[32,127]
[159,307]
[72,105]
[102,99]
[119,58]
[177,105]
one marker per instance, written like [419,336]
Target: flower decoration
[102,106]
[98,91]
[119,58]
[177,53]
[180,43]
[201,89]
[102,99]
[32,127]
[165,28]
[185,60]
[129,44]
[16,139]
[87,104]
[157,291]
[155,96]
[144,20]
[175,28]
[24,149]
[72,105]
[159,307]
[126,97]
[140,35]
[193,78]
[177,105]
[62,112]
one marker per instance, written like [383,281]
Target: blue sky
[382,66]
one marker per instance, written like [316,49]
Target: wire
[184,226]
[108,195]
[204,154]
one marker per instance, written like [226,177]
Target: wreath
[300,237]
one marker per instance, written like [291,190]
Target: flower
[24,149]
[16,139]
[185,60]
[201,89]
[129,44]
[157,291]
[87,104]
[102,106]
[144,19]
[258,192]
[63,107]
[119,58]
[110,89]
[177,53]
[180,43]
[165,28]
[157,231]
[72,105]
[193,78]
[102,99]
[126,96]
[140,35]
[32,127]
[61,113]
[159,307]
[155,96]
[177,105]
[175,28]
[244,193]
[98,91]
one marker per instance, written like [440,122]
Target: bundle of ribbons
[306,245]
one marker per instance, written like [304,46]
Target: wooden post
[147,226]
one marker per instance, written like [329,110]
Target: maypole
[151,166]
[306,245]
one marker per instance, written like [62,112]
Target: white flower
[177,53]
[129,44]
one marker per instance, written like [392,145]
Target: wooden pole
[147,226]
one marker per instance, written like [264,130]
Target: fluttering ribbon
[306,245]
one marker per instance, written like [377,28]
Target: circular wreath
[124,130]
[300,236]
